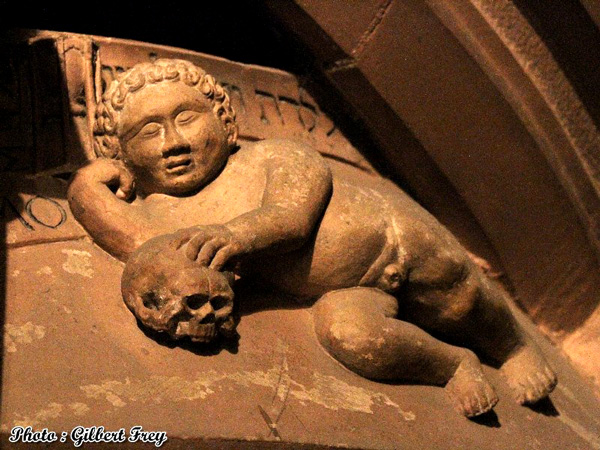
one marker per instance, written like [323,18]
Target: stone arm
[297,190]
[97,197]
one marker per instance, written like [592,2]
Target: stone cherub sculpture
[386,274]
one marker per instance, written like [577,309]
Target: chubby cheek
[198,135]
[209,146]
[143,153]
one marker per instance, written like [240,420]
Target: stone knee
[350,323]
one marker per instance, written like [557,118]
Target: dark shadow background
[240,31]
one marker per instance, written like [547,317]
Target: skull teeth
[198,332]
[205,332]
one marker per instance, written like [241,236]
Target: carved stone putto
[179,199]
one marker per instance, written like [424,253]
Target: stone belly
[349,239]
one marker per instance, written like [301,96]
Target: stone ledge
[74,355]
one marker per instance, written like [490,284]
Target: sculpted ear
[107,146]
[232,133]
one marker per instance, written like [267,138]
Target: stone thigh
[359,328]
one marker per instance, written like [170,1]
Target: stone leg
[358,327]
[474,313]
[523,364]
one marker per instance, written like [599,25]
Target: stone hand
[211,246]
[111,173]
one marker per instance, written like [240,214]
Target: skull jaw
[198,332]
[203,332]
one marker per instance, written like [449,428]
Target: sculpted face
[171,139]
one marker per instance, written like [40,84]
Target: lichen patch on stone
[78,262]
[79,409]
[52,411]
[46,270]
[327,391]
[21,334]
[40,418]
[335,394]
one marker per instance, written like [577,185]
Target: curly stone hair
[106,141]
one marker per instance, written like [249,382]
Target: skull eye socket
[218,302]
[151,301]
[195,301]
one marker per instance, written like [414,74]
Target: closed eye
[150,129]
[187,116]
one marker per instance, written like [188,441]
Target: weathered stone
[73,355]
[143,373]
[486,93]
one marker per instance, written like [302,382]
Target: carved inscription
[9,210]
[296,112]
[269,108]
[288,111]
[50,215]
[38,210]
[35,210]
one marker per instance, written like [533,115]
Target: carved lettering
[49,213]
[269,108]
[308,115]
[44,216]
[288,111]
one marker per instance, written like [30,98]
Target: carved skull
[170,293]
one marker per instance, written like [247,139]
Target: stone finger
[207,252]
[480,408]
[222,257]
[195,244]
[126,184]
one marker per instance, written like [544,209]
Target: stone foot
[470,391]
[529,375]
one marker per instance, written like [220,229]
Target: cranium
[170,293]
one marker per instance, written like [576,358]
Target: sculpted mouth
[178,164]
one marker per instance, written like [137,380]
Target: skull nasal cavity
[219,302]
[195,301]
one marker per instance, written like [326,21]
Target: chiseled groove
[350,62]
[371,29]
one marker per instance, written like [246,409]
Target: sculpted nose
[199,306]
[175,143]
